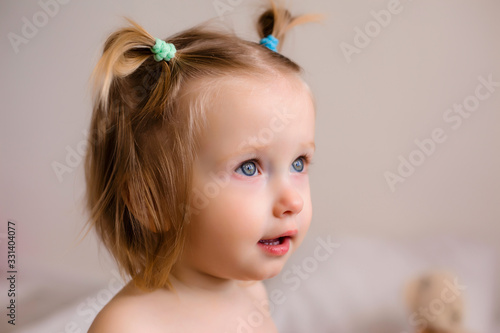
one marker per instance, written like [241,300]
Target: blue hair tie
[163,50]
[270,42]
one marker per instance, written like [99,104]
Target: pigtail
[121,57]
[277,21]
[127,52]
[127,173]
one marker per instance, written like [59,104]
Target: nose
[288,202]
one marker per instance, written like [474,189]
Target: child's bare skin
[190,310]
[216,283]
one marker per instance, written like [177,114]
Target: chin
[270,271]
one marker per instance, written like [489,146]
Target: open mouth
[276,246]
[275,241]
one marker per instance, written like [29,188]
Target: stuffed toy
[436,303]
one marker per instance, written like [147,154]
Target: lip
[279,249]
[290,233]
[276,250]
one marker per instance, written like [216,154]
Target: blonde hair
[144,134]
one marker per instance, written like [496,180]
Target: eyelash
[306,158]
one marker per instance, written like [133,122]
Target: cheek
[234,214]
[306,213]
[301,182]
[305,220]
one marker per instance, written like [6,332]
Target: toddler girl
[197,174]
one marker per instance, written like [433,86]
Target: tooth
[271,241]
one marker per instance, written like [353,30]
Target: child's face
[260,193]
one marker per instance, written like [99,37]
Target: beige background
[370,111]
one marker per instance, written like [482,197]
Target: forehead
[241,108]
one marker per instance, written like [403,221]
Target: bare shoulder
[116,317]
[131,311]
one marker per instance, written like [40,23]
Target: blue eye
[249,168]
[298,164]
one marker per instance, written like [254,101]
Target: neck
[186,279]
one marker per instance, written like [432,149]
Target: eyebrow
[252,148]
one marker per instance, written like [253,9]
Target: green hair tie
[163,50]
